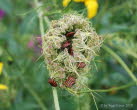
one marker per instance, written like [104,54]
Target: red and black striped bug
[81,65]
[70,34]
[66,44]
[70,51]
[70,81]
[52,82]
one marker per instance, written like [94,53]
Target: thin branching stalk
[109,90]
[116,88]
[94,101]
[130,73]
[40,18]
[55,95]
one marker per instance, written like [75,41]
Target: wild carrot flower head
[68,47]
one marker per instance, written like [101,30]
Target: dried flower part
[68,47]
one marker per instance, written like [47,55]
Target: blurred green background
[24,70]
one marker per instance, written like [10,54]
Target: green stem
[116,88]
[109,90]
[55,95]
[121,62]
[94,100]
[39,12]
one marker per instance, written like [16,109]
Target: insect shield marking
[70,51]
[70,81]
[52,82]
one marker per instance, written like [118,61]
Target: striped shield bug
[52,82]
[70,51]
[70,81]
[66,44]
[70,34]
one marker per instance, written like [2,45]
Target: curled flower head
[68,47]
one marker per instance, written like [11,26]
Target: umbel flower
[91,5]
[68,47]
